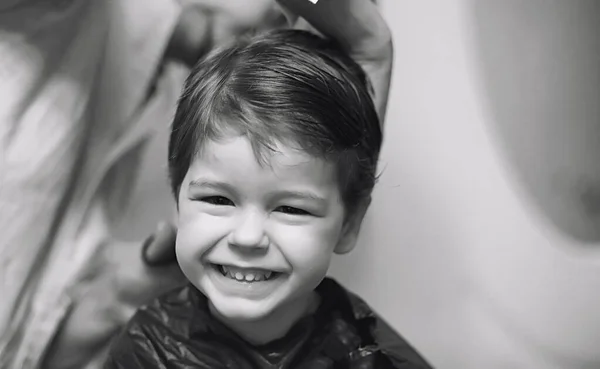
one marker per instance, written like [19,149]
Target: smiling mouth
[246,275]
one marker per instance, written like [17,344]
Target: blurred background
[482,246]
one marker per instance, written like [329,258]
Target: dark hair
[284,86]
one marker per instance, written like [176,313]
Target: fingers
[191,38]
[159,248]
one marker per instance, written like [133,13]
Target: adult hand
[360,29]
[120,278]
[204,24]
[356,24]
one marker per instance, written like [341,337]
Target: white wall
[457,251]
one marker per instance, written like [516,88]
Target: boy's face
[259,238]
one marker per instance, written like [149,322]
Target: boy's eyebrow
[202,183]
[300,195]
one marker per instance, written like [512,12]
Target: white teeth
[241,275]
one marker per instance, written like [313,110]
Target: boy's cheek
[185,211]
[199,232]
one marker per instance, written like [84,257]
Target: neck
[275,325]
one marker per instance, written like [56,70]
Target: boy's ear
[351,229]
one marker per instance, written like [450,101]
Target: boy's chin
[240,311]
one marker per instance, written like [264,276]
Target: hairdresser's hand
[119,279]
[359,27]
[205,24]
[232,18]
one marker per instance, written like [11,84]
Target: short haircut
[282,86]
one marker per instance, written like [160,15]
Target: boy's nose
[249,232]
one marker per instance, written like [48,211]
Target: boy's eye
[217,200]
[292,210]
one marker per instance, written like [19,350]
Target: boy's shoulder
[179,324]
[174,311]
[376,335]
[156,329]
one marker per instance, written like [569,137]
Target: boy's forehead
[276,154]
[237,156]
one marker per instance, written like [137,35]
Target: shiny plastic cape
[177,331]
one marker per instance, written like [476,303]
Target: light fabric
[75,109]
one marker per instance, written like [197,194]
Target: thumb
[159,248]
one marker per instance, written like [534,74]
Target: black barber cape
[177,331]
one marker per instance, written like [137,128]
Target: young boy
[272,157]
